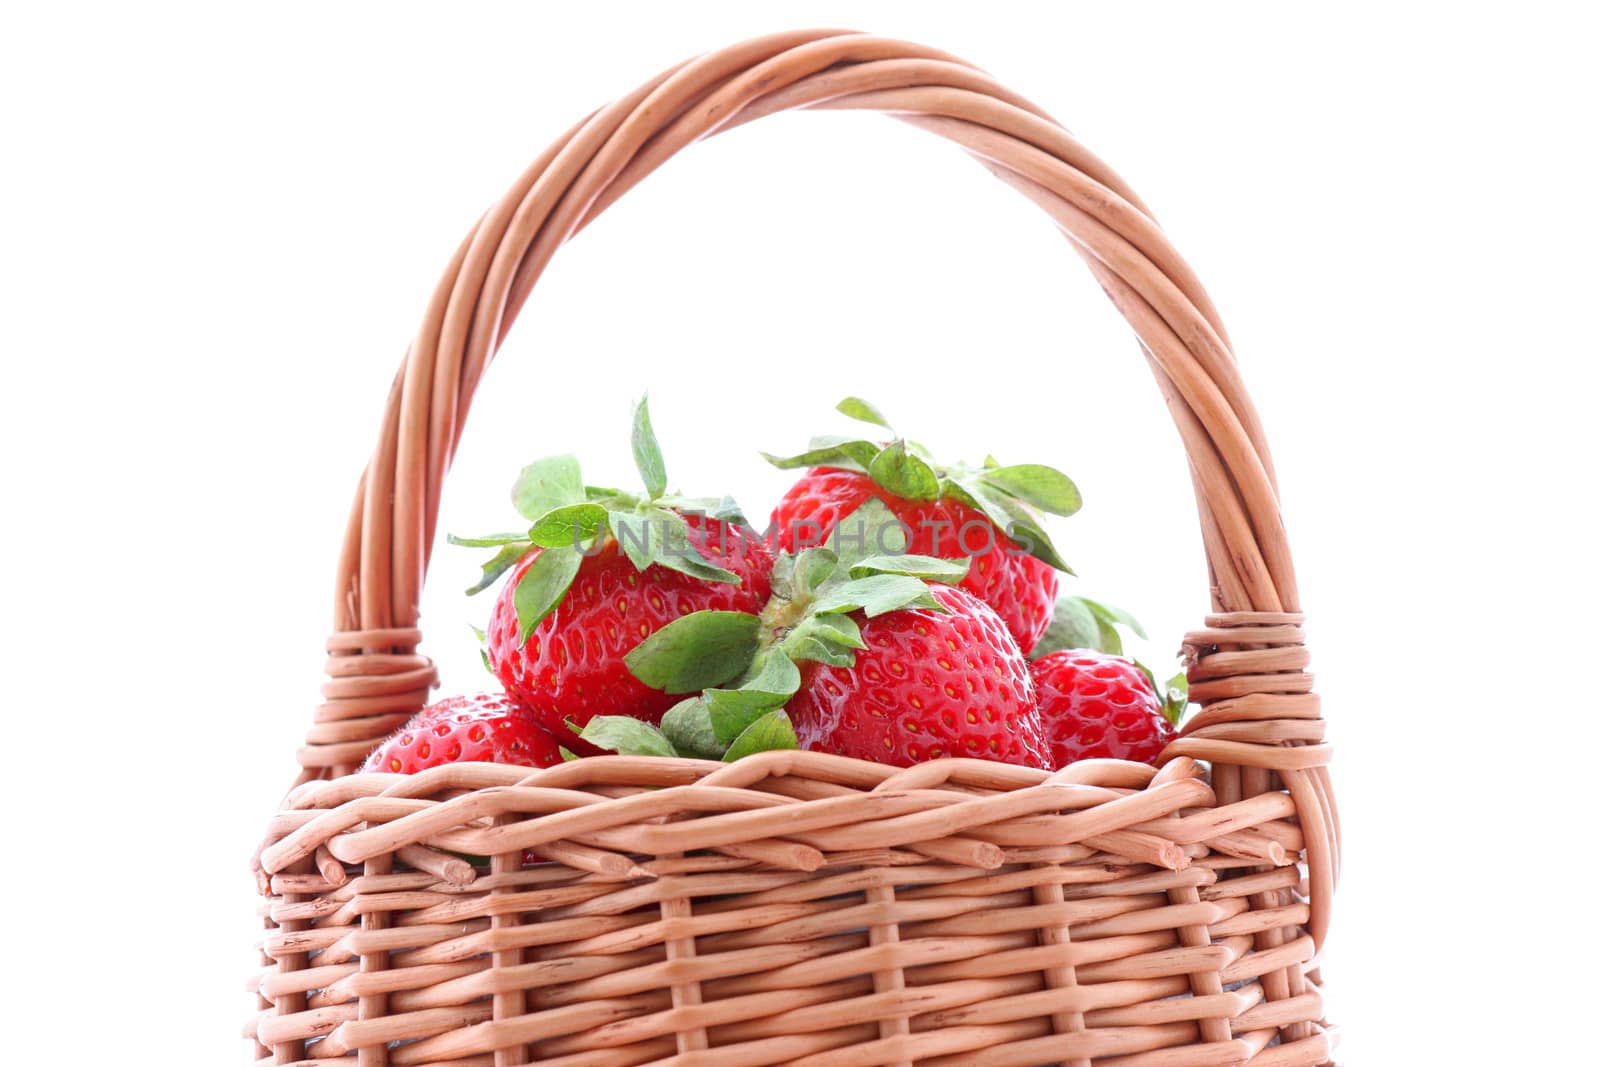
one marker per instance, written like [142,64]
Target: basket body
[795,907]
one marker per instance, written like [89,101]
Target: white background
[220,226]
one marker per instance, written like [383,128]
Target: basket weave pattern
[796,907]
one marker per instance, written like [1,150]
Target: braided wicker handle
[376,677]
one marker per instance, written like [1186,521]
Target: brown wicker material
[794,907]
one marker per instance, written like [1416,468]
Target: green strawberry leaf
[782,576]
[816,650]
[687,726]
[547,484]
[868,531]
[836,629]
[695,565]
[1043,487]
[570,526]
[928,568]
[775,674]
[656,535]
[671,548]
[1107,639]
[1114,616]
[904,474]
[862,411]
[732,710]
[635,535]
[1176,695]
[811,568]
[876,595]
[1031,538]
[772,731]
[727,509]
[488,540]
[699,650]
[510,555]
[686,560]
[724,509]
[832,639]
[1072,625]
[1009,515]
[772,681]
[647,451]
[483,647]
[540,589]
[1079,622]
[854,452]
[829,450]
[626,736]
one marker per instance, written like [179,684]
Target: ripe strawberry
[598,571]
[571,667]
[928,684]
[1098,706]
[1020,588]
[486,728]
[988,514]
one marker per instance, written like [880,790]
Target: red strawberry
[486,728]
[928,684]
[571,667]
[1098,706]
[598,571]
[1020,588]
[988,514]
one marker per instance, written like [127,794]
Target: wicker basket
[794,907]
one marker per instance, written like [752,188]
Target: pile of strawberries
[895,610]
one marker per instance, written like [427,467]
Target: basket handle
[376,676]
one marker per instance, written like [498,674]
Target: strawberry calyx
[1010,497]
[1174,695]
[571,521]
[737,671]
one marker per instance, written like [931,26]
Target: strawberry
[598,571]
[988,514]
[486,728]
[928,684]
[570,666]
[1095,705]
[856,653]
